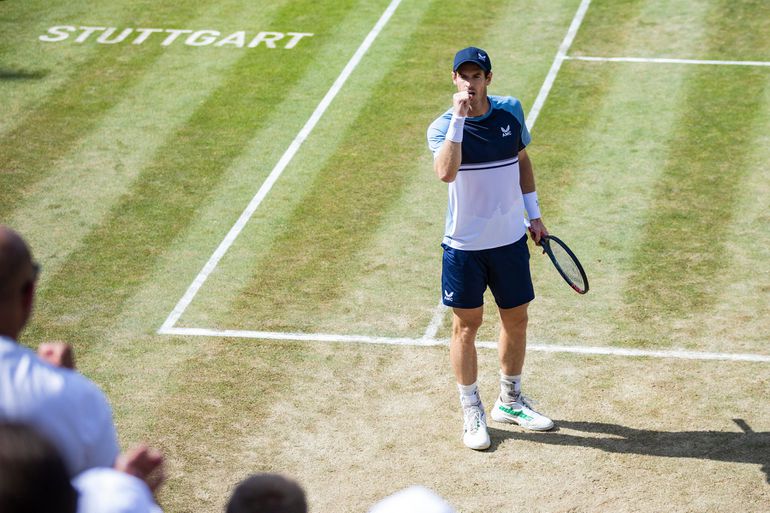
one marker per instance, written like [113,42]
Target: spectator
[127,488]
[415,499]
[33,477]
[59,403]
[267,493]
[106,490]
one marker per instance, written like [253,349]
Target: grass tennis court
[126,165]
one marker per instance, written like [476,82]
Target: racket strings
[568,265]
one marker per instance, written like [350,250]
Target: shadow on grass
[748,446]
[21,74]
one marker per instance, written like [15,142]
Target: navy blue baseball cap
[475,55]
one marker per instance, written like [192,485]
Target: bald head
[17,278]
[15,262]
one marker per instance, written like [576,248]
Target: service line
[651,60]
[404,341]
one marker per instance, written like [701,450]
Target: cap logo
[482,56]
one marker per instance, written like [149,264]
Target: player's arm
[447,162]
[527,183]
[449,157]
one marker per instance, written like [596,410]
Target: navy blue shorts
[465,275]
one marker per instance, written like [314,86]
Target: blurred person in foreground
[127,488]
[70,410]
[415,499]
[267,493]
[33,477]
[45,392]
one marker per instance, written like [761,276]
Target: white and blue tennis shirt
[486,208]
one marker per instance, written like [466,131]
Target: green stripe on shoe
[515,413]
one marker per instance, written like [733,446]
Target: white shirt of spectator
[63,405]
[415,499]
[105,490]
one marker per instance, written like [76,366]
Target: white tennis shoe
[520,412]
[475,433]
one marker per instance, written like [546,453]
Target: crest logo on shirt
[506,130]
[449,296]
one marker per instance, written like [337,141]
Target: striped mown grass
[30,149]
[168,191]
[350,213]
[130,163]
[629,176]
[695,201]
[348,210]
[60,209]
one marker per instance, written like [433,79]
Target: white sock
[510,387]
[469,394]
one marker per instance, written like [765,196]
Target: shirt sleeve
[513,105]
[100,438]
[106,489]
[524,138]
[437,132]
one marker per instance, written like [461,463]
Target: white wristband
[532,205]
[455,131]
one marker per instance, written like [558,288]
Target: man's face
[470,77]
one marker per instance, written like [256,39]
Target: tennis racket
[565,262]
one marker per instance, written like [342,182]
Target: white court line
[547,348]
[669,61]
[561,54]
[288,155]
[435,321]
[542,95]
[428,338]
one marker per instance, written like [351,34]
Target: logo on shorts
[449,296]
[506,130]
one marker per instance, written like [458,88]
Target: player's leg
[463,283]
[462,347]
[511,284]
[462,353]
[512,346]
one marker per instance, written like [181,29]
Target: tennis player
[478,147]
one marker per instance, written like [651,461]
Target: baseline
[547,348]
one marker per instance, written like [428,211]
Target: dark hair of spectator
[33,477]
[267,493]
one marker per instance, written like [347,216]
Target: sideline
[288,155]
[561,56]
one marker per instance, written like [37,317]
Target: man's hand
[462,103]
[59,354]
[537,229]
[144,463]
